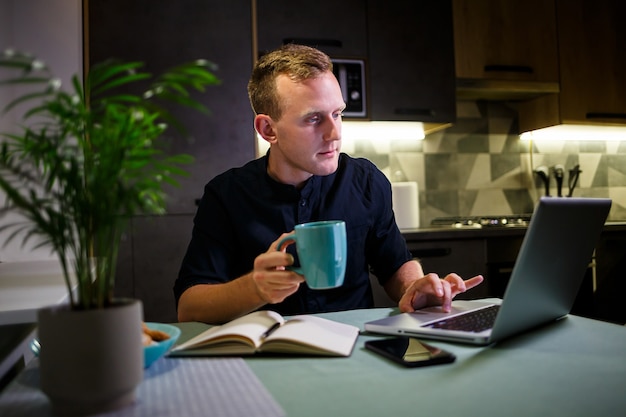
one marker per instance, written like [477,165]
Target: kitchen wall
[51,31]
[479,166]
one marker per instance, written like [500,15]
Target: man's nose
[333,130]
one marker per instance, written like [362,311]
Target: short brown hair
[299,62]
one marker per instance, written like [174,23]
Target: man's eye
[313,119]
[338,115]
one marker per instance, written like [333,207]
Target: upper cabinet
[592,38]
[411,60]
[335,27]
[505,49]
[407,47]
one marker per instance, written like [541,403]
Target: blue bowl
[154,351]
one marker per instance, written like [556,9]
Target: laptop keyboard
[474,321]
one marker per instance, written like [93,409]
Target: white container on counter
[406,204]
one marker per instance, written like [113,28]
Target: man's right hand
[273,281]
[268,283]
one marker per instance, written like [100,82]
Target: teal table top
[574,367]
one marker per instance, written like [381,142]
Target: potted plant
[82,164]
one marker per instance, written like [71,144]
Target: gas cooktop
[515,220]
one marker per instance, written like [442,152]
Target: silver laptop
[548,272]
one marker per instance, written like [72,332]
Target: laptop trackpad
[429,314]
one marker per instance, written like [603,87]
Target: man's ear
[264,125]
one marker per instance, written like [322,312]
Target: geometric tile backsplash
[479,166]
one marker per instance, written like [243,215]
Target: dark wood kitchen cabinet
[163,34]
[505,48]
[407,46]
[592,40]
[150,257]
[336,27]
[611,276]
[411,61]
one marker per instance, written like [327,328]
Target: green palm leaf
[88,159]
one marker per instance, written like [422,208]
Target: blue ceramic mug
[322,251]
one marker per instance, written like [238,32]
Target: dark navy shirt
[244,210]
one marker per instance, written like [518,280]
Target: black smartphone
[409,351]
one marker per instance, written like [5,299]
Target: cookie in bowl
[158,338]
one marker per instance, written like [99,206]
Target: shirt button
[303,202]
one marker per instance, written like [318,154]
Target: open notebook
[548,272]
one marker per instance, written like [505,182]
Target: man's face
[306,139]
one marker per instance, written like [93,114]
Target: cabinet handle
[601,115]
[414,112]
[509,68]
[314,42]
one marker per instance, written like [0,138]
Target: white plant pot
[91,361]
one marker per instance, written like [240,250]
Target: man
[232,265]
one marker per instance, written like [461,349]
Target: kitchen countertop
[445,233]
[26,286]
[441,233]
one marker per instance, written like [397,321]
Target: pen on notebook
[270,330]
